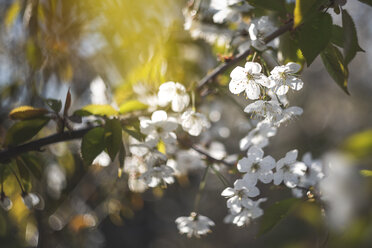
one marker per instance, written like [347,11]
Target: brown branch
[223,67]
[36,145]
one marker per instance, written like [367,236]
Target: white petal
[228,192]
[237,86]
[291,156]
[252,90]
[281,90]
[268,163]
[159,115]
[293,67]
[252,67]
[278,177]
[266,177]
[238,73]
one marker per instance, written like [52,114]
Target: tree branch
[223,67]
[221,161]
[36,145]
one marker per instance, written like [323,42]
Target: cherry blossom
[159,127]
[174,93]
[283,77]
[258,30]
[158,176]
[194,122]
[5,202]
[248,79]
[270,110]
[250,211]
[288,170]
[194,225]
[258,136]
[256,166]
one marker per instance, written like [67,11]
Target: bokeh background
[100,49]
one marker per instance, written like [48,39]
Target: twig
[221,161]
[36,145]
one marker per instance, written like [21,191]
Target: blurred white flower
[283,77]
[56,180]
[158,176]
[159,127]
[270,110]
[186,161]
[288,170]
[103,159]
[258,136]
[174,93]
[288,114]
[256,166]
[250,211]
[248,79]
[98,91]
[258,30]
[194,225]
[30,200]
[193,122]
[5,202]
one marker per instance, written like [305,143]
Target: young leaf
[54,104]
[24,130]
[67,103]
[275,213]
[135,134]
[113,137]
[92,144]
[96,109]
[350,37]
[26,112]
[314,36]
[334,63]
[131,105]
[366,173]
[122,155]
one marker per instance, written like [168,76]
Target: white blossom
[270,110]
[248,79]
[288,113]
[174,93]
[258,30]
[289,170]
[239,196]
[31,200]
[256,166]
[159,127]
[250,211]
[186,161]
[227,11]
[283,77]
[193,122]
[158,175]
[258,136]
[194,225]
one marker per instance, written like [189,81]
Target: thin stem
[223,179]
[18,180]
[202,184]
[210,157]
[254,56]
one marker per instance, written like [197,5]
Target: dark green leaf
[338,37]
[305,10]
[314,36]
[290,49]
[24,130]
[135,134]
[92,144]
[113,137]
[350,37]
[33,164]
[368,2]
[275,213]
[54,104]
[334,63]
[276,5]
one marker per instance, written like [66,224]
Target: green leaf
[113,137]
[359,145]
[33,164]
[27,112]
[276,5]
[131,105]
[338,37]
[366,173]
[368,2]
[290,49]
[24,130]
[314,36]
[305,10]
[334,63]
[135,134]
[96,109]
[350,37]
[54,104]
[92,144]
[275,213]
